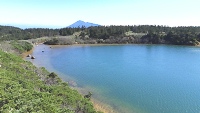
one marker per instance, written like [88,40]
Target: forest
[141,34]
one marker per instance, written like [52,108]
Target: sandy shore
[23,55]
[99,106]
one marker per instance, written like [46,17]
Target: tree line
[14,33]
[151,34]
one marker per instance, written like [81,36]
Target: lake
[131,78]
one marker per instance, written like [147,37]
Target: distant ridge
[81,23]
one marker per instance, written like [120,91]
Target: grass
[26,88]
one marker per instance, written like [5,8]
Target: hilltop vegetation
[143,34]
[26,88]
[14,33]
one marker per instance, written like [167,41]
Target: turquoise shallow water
[131,78]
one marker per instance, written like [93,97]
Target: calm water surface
[131,78]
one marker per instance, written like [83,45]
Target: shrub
[21,46]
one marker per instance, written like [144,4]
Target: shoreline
[101,44]
[24,54]
[86,45]
[98,105]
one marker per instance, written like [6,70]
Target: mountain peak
[81,23]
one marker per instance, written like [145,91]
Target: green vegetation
[137,34]
[26,88]
[21,46]
[141,34]
[61,40]
[14,33]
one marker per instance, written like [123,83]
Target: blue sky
[61,13]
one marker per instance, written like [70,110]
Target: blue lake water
[131,78]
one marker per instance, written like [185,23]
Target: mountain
[81,23]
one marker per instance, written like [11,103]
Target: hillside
[81,23]
[26,88]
